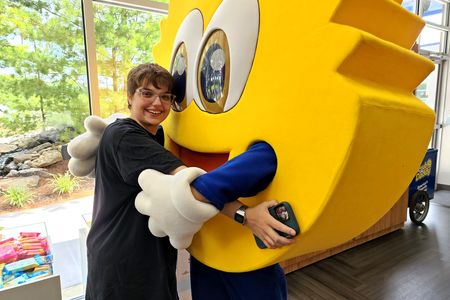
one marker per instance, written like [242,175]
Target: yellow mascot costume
[328,84]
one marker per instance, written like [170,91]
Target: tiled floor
[442,197]
[410,263]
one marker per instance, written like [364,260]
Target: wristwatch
[239,215]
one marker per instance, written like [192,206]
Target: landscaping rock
[51,135]
[11,166]
[39,148]
[6,148]
[30,172]
[47,158]
[27,142]
[30,182]
[19,158]
[24,167]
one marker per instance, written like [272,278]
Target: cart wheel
[418,209]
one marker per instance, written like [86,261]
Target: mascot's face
[327,83]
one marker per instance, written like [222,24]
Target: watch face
[239,216]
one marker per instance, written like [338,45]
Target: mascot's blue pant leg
[208,283]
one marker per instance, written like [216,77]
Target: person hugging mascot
[327,84]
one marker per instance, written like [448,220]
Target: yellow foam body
[331,89]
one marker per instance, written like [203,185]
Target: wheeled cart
[421,189]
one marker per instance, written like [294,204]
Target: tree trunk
[43,116]
[115,71]
[42,107]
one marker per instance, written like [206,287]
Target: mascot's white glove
[172,208]
[83,148]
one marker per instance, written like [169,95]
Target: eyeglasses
[151,96]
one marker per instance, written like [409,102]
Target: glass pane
[42,67]
[124,39]
[410,5]
[432,11]
[432,39]
[43,103]
[427,90]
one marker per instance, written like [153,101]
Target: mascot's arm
[174,211]
[172,208]
[243,176]
[83,148]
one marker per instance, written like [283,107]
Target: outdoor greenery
[43,81]
[64,183]
[18,196]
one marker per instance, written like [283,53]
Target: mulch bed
[44,195]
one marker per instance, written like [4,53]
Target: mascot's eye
[179,73]
[185,48]
[226,55]
[214,72]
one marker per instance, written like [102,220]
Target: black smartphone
[282,212]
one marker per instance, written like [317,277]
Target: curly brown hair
[148,73]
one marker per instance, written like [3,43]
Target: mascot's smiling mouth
[206,161]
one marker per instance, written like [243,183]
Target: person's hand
[263,225]
[83,148]
[172,208]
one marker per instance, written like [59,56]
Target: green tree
[124,39]
[42,59]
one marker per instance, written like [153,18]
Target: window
[433,11]
[43,103]
[410,5]
[432,39]
[433,90]
[426,91]
[43,82]
[124,38]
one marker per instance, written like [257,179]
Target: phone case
[279,212]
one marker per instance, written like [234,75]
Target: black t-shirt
[125,261]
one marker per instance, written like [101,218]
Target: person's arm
[244,176]
[177,204]
[194,191]
[258,219]
[177,170]
[261,223]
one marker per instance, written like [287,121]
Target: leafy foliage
[43,65]
[63,184]
[18,196]
[124,39]
[43,79]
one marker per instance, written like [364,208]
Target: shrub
[18,196]
[64,183]
[67,135]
